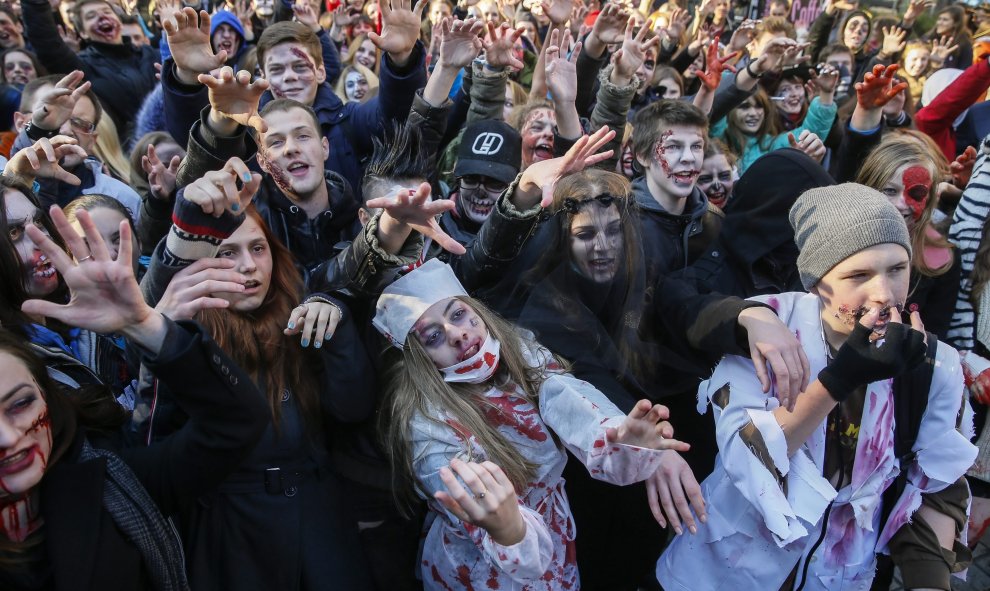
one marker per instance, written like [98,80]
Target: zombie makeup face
[249,249]
[293,152]
[264,8]
[18,68]
[450,331]
[748,116]
[675,163]
[11,33]
[875,277]
[537,136]
[355,86]
[293,73]
[365,54]
[25,441]
[645,71]
[227,39]
[100,23]
[916,61]
[477,196]
[39,276]
[716,179]
[596,241]
[790,97]
[855,33]
[908,189]
[625,164]
[671,90]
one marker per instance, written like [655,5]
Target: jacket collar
[694,208]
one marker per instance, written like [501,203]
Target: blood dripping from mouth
[917,183]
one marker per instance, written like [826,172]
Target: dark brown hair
[289,32]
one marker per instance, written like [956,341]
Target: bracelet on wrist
[749,70]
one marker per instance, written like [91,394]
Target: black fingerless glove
[860,362]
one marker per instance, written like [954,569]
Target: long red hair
[256,342]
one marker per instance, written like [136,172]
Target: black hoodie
[755,252]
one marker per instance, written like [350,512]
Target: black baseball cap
[489,148]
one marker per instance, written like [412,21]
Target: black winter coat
[84,549]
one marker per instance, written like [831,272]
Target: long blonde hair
[414,386]
[894,151]
[108,150]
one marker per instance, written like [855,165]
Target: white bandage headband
[404,301]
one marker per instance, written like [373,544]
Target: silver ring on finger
[86,258]
[480,495]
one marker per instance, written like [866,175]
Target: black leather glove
[860,362]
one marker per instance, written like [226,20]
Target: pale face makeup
[749,116]
[355,86]
[292,72]
[716,179]
[537,136]
[596,241]
[38,273]
[450,332]
[673,167]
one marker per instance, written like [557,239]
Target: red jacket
[936,119]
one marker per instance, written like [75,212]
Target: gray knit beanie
[833,223]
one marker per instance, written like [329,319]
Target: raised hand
[189,42]
[558,11]
[55,104]
[345,16]
[167,9]
[303,12]
[236,97]
[41,159]
[610,25]
[743,35]
[714,66]
[679,20]
[489,502]
[825,79]
[839,5]
[646,426]
[161,178]
[809,143]
[878,88]
[499,46]
[459,42]
[962,167]
[194,288]
[561,71]
[631,56]
[538,180]
[216,191]
[942,48]
[103,294]
[316,320]
[772,58]
[794,56]
[915,9]
[894,41]
[673,492]
[400,28]
[413,209]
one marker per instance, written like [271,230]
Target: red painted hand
[878,88]
[714,67]
[962,167]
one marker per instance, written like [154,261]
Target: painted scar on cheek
[850,316]
[917,184]
[660,153]
[277,174]
[303,56]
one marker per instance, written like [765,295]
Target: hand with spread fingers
[894,41]
[962,167]
[413,209]
[103,294]
[499,45]
[878,88]
[216,192]
[400,28]
[189,41]
[460,43]
[55,104]
[562,70]
[538,180]
[488,501]
[674,494]
[41,159]
[714,66]
[558,11]
[646,426]
[630,57]
[195,288]
[234,98]
[161,178]
[316,320]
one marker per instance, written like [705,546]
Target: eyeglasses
[491,185]
[81,125]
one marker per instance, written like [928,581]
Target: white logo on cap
[487,143]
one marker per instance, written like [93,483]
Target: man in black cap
[488,160]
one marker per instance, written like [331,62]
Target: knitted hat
[405,300]
[833,223]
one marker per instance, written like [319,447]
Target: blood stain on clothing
[507,411]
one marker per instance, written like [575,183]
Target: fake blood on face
[917,185]
[660,153]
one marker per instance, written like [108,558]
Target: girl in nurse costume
[477,416]
[795,501]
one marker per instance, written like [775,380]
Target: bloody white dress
[765,508]
[571,414]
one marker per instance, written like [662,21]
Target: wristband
[35,133]
[749,70]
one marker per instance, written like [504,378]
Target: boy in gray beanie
[808,485]
[833,223]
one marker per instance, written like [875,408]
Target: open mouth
[717,196]
[685,177]
[14,463]
[479,207]
[107,27]
[601,265]
[752,122]
[470,352]
[298,169]
[251,286]
[43,269]
[542,152]
[227,46]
